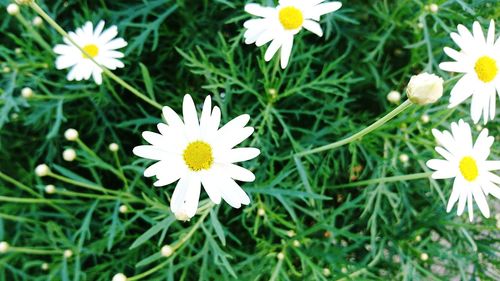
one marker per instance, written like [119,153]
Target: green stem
[85,185]
[106,71]
[35,34]
[385,179]
[175,247]
[34,251]
[36,200]
[361,133]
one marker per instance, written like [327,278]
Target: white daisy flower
[468,164]
[280,24]
[100,45]
[199,153]
[479,60]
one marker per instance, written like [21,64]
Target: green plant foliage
[309,219]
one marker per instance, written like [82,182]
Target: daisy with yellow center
[468,164]
[99,45]
[479,61]
[199,153]
[280,24]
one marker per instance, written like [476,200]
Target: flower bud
[166,251]
[69,154]
[13,9]
[123,209]
[424,88]
[71,134]
[50,189]
[27,92]
[42,170]
[23,2]
[45,266]
[394,97]
[37,21]
[4,247]
[280,256]
[113,147]
[119,277]
[425,118]
[68,254]
[182,216]
[424,256]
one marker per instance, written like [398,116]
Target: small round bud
[18,51]
[27,93]
[479,128]
[123,209]
[113,147]
[50,189]
[69,154]
[424,256]
[37,21]
[280,256]
[68,254]
[166,251]
[290,233]
[4,247]
[326,272]
[404,158]
[42,170]
[71,134]
[119,277]
[343,270]
[425,118]
[14,116]
[396,258]
[45,266]
[6,69]
[420,25]
[394,97]
[182,216]
[433,8]
[425,88]
[261,212]
[296,243]
[418,238]
[13,9]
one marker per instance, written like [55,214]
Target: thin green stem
[33,251]
[361,133]
[85,185]
[33,32]
[106,71]
[36,200]
[174,247]
[385,180]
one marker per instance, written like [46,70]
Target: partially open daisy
[479,60]
[280,24]
[468,164]
[199,153]
[98,44]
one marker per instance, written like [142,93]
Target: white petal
[490,40]
[239,155]
[491,188]
[116,44]
[462,90]
[478,33]
[150,152]
[438,164]
[99,28]
[108,34]
[452,66]
[286,50]
[273,48]
[233,194]
[455,193]
[210,182]
[323,9]
[258,10]
[186,195]
[238,173]
[481,202]
[462,201]
[470,206]
[97,76]
[190,117]
[265,37]
[314,27]
[206,112]
[172,118]
[492,165]
[65,61]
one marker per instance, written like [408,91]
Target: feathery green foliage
[310,209]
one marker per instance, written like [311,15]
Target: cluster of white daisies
[195,152]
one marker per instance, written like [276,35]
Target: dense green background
[334,86]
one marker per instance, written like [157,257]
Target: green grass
[333,87]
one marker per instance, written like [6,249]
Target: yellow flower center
[90,49]
[198,156]
[291,18]
[486,69]
[468,168]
